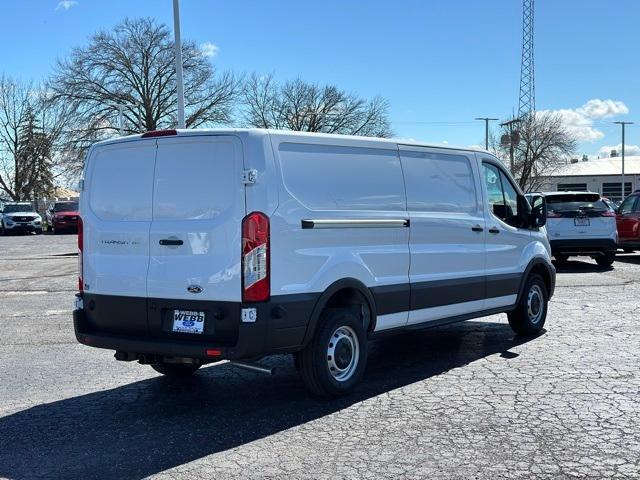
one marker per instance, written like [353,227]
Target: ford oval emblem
[194,289]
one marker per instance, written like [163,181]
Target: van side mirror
[538,215]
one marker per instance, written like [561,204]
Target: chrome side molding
[356,223]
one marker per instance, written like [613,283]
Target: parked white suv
[581,223]
[19,217]
[202,245]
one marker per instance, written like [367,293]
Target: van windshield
[578,201]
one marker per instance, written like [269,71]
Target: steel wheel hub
[535,304]
[343,353]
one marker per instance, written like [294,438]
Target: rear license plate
[581,221]
[187,321]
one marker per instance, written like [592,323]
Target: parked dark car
[628,223]
[62,216]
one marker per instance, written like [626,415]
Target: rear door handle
[494,230]
[477,228]
[169,242]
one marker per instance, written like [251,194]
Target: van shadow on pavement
[581,266]
[629,258]
[146,427]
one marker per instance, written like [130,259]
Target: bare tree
[302,106]
[131,70]
[544,145]
[30,129]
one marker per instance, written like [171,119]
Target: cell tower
[527,99]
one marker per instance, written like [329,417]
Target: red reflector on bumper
[214,352]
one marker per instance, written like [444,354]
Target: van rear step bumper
[149,346]
[110,322]
[583,246]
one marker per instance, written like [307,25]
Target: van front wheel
[335,359]
[531,312]
[175,370]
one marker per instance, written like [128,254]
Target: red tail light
[255,258]
[608,213]
[80,248]
[553,214]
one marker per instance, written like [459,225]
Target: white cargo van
[202,245]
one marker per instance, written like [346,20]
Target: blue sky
[439,63]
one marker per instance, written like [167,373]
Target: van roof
[357,140]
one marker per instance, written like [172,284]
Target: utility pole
[513,139]
[622,124]
[486,130]
[179,80]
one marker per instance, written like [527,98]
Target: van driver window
[501,195]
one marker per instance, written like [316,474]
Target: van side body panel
[447,235]
[352,196]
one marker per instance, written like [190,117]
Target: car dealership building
[603,175]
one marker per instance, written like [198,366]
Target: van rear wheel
[175,370]
[335,359]
[531,312]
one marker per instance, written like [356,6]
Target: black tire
[349,351]
[38,231]
[531,312]
[175,370]
[606,260]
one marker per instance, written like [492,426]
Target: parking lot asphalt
[465,401]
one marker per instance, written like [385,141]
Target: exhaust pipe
[254,367]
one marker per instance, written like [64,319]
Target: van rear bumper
[280,327]
[147,346]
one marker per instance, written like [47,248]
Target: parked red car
[62,216]
[628,222]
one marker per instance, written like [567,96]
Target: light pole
[120,119]
[622,124]
[486,130]
[179,81]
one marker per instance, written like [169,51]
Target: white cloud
[597,108]
[580,120]
[66,4]
[605,151]
[209,49]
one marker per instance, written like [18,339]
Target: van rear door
[116,209]
[195,235]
